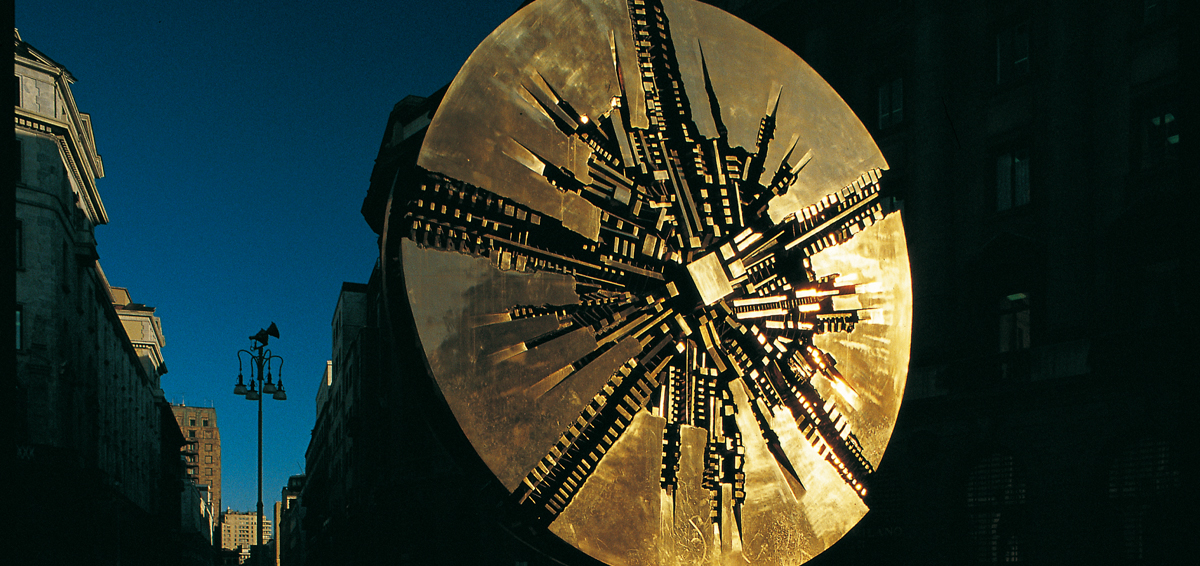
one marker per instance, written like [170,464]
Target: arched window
[995,507]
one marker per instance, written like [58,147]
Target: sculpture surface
[655,281]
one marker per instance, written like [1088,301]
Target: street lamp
[260,356]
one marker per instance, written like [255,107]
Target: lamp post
[259,357]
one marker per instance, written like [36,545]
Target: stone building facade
[202,452]
[143,329]
[331,471]
[96,446]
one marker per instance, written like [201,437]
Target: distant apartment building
[239,529]
[95,442]
[202,453]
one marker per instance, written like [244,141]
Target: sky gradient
[237,141]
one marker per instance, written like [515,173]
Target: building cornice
[67,138]
[44,64]
[75,132]
[31,53]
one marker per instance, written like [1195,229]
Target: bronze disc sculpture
[655,282]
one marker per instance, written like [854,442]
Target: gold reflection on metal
[658,287]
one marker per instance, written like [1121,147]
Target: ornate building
[97,448]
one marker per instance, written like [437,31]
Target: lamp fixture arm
[280,358]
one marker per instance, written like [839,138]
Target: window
[79,280]
[1014,323]
[1012,178]
[17,94]
[20,245]
[192,422]
[65,268]
[1142,481]
[891,103]
[1012,53]
[208,471]
[208,447]
[205,422]
[995,501]
[1013,333]
[191,434]
[19,343]
[1158,133]
[208,459]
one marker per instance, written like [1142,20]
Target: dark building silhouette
[1040,153]
[97,476]
[381,483]
[289,535]
[1036,147]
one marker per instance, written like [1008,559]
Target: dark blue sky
[238,140]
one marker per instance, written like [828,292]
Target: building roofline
[79,142]
[22,47]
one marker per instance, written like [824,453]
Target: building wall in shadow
[1038,152]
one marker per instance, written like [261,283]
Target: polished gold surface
[655,282]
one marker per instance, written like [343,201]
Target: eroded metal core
[655,282]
